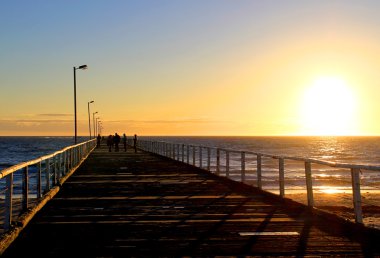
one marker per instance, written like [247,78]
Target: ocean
[358,150]
[353,150]
[15,149]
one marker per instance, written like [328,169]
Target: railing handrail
[295,158]
[6,171]
[172,150]
[57,167]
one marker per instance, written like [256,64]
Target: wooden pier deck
[120,204]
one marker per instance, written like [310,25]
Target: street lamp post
[98,128]
[82,67]
[93,121]
[96,125]
[89,122]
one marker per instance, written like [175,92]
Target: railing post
[178,152]
[8,202]
[227,164]
[281,176]
[243,166]
[74,157]
[200,156]
[65,162]
[71,158]
[59,171]
[39,180]
[193,155]
[47,170]
[208,158]
[72,153]
[54,170]
[183,152]
[25,188]
[68,159]
[309,184]
[357,199]
[188,154]
[258,163]
[218,161]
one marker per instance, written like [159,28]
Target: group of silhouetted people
[113,141]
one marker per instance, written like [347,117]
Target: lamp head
[83,67]
[91,101]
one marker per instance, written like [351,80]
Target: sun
[328,108]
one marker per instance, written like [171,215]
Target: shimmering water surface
[354,150]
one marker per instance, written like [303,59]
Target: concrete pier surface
[127,204]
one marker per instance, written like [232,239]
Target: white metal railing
[33,179]
[202,157]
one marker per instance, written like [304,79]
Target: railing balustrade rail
[210,159]
[24,185]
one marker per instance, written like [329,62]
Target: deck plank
[141,205]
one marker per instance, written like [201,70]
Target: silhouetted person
[116,141]
[125,142]
[98,141]
[110,142]
[135,143]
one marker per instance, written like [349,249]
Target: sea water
[352,150]
[15,149]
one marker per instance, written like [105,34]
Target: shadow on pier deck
[140,205]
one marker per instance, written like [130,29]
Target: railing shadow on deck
[248,167]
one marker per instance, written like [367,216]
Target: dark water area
[15,149]
[353,150]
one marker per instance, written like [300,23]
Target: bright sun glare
[328,108]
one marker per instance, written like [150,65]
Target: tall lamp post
[89,122]
[82,67]
[93,121]
[98,129]
[96,125]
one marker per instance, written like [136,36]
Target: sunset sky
[191,67]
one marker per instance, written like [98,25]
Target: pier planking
[123,204]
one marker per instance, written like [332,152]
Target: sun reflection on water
[333,189]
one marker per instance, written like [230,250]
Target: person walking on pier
[110,142]
[98,141]
[125,142]
[116,140]
[135,143]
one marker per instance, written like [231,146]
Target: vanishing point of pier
[127,204]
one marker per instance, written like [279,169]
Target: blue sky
[206,66]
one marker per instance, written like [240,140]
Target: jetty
[142,204]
